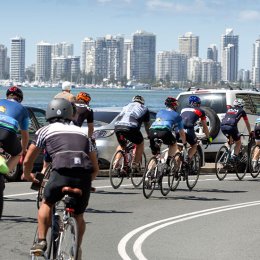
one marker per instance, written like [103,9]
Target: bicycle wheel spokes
[221,163]
[68,248]
[254,165]
[116,169]
[165,182]
[193,171]
[241,165]
[149,178]
[137,177]
[176,165]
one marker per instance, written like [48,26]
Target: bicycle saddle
[72,191]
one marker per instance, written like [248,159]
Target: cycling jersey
[133,115]
[257,130]
[13,115]
[233,115]
[190,115]
[83,112]
[66,95]
[67,145]
[167,119]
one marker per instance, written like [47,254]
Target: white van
[214,102]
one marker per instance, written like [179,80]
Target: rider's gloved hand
[252,134]
[209,140]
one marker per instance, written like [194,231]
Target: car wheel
[213,123]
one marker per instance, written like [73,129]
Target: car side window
[40,116]
[255,99]
[249,108]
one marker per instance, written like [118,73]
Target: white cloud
[249,15]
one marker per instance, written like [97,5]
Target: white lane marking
[137,248]
[123,242]
[20,194]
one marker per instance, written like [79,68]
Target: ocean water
[104,97]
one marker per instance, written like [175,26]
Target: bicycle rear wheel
[149,178]
[241,165]
[176,167]
[68,247]
[2,187]
[137,178]
[254,165]
[221,163]
[193,171]
[116,168]
[44,181]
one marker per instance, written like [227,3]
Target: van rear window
[215,101]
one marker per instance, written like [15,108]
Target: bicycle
[121,167]
[188,171]
[224,164]
[2,187]
[157,173]
[62,236]
[254,165]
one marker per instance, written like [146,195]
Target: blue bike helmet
[194,100]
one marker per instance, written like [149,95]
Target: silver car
[106,141]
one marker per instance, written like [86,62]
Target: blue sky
[73,20]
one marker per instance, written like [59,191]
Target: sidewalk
[209,168]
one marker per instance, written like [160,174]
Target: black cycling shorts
[232,131]
[75,178]
[131,134]
[191,137]
[165,135]
[10,142]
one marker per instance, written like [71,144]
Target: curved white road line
[123,242]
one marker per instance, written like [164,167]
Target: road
[217,220]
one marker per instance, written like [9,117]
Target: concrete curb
[209,168]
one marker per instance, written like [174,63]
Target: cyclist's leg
[120,135]
[236,137]
[192,140]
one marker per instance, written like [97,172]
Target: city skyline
[71,21]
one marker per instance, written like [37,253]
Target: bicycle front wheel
[254,164]
[176,167]
[221,163]
[116,169]
[241,165]
[137,177]
[193,171]
[68,247]
[149,180]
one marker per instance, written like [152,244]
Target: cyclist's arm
[30,157]
[94,161]
[247,124]
[24,140]
[90,129]
[205,127]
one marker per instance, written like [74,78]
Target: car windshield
[215,101]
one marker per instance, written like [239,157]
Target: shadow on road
[221,191]
[17,219]
[114,192]
[91,210]
[19,200]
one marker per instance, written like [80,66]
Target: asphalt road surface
[217,220]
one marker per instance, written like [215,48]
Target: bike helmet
[59,108]
[16,92]
[83,96]
[66,85]
[171,102]
[239,102]
[194,100]
[139,99]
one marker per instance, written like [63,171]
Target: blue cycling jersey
[167,119]
[13,115]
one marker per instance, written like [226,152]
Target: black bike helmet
[59,108]
[171,102]
[15,91]
[139,99]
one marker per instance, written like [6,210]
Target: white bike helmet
[239,102]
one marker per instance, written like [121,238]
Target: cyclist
[74,163]
[66,92]
[167,120]
[84,112]
[128,127]
[257,142]
[13,115]
[190,115]
[230,121]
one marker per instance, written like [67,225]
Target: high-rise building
[3,62]
[189,44]
[17,59]
[62,49]
[194,69]
[60,69]
[43,62]
[256,63]
[171,66]
[144,55]
[229,56]
[87,49]
[127,59]
[210,71]
[212,52]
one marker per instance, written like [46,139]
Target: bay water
[101,97]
